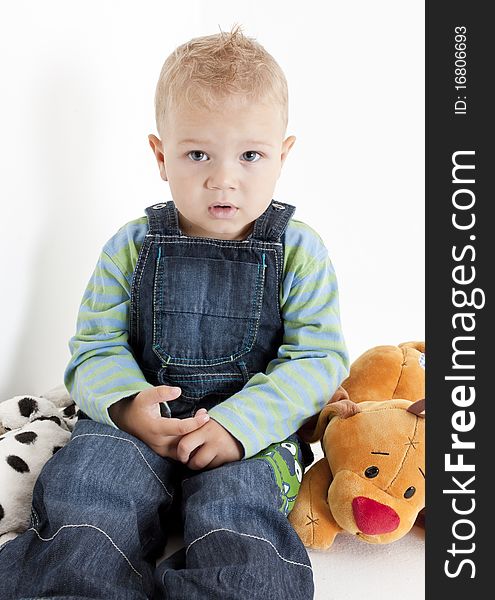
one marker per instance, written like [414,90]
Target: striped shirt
[311,362]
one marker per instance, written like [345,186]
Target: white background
[77,88]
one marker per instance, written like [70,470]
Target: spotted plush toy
[32,429]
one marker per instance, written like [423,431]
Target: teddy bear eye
[410,492]
[372,472]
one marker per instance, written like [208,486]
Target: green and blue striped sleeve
[102,368]
[312,360]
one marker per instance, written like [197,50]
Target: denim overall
[205,313]
[205,316]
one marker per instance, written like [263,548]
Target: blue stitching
[157,302]
[202,380]
[140,265]
[206,375]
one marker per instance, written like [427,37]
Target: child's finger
[203,458]
[168,393]
[160,393]
[188,444]
[182,426]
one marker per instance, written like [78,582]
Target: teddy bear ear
[339,394]
[420,346]
[417,408]
[344,409]
[341,408]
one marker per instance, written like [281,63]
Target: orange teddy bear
[371,481]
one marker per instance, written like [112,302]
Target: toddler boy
[208,334]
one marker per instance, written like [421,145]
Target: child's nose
[222,177]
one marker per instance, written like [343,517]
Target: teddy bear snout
[373,517]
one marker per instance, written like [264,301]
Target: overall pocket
[206,311]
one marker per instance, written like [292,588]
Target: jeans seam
[91,527]
[242,243]
[255,537]
[272,473]
[130,442]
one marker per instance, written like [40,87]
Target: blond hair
[209,70]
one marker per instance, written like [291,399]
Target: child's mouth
[222,212]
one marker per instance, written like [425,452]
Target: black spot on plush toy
[32,429]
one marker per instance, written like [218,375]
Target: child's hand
[141,418]
[209,447]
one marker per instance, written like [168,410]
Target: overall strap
[270,226]
[163,219]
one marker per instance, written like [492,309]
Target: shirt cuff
[236,426]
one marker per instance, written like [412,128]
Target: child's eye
[197,155]
[248,156]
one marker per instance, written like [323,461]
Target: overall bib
[205,313]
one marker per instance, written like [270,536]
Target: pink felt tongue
[373,517]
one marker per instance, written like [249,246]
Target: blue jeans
[104,504]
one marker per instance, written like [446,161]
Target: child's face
[230,156]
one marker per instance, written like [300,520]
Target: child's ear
[156,146]
[286,146]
